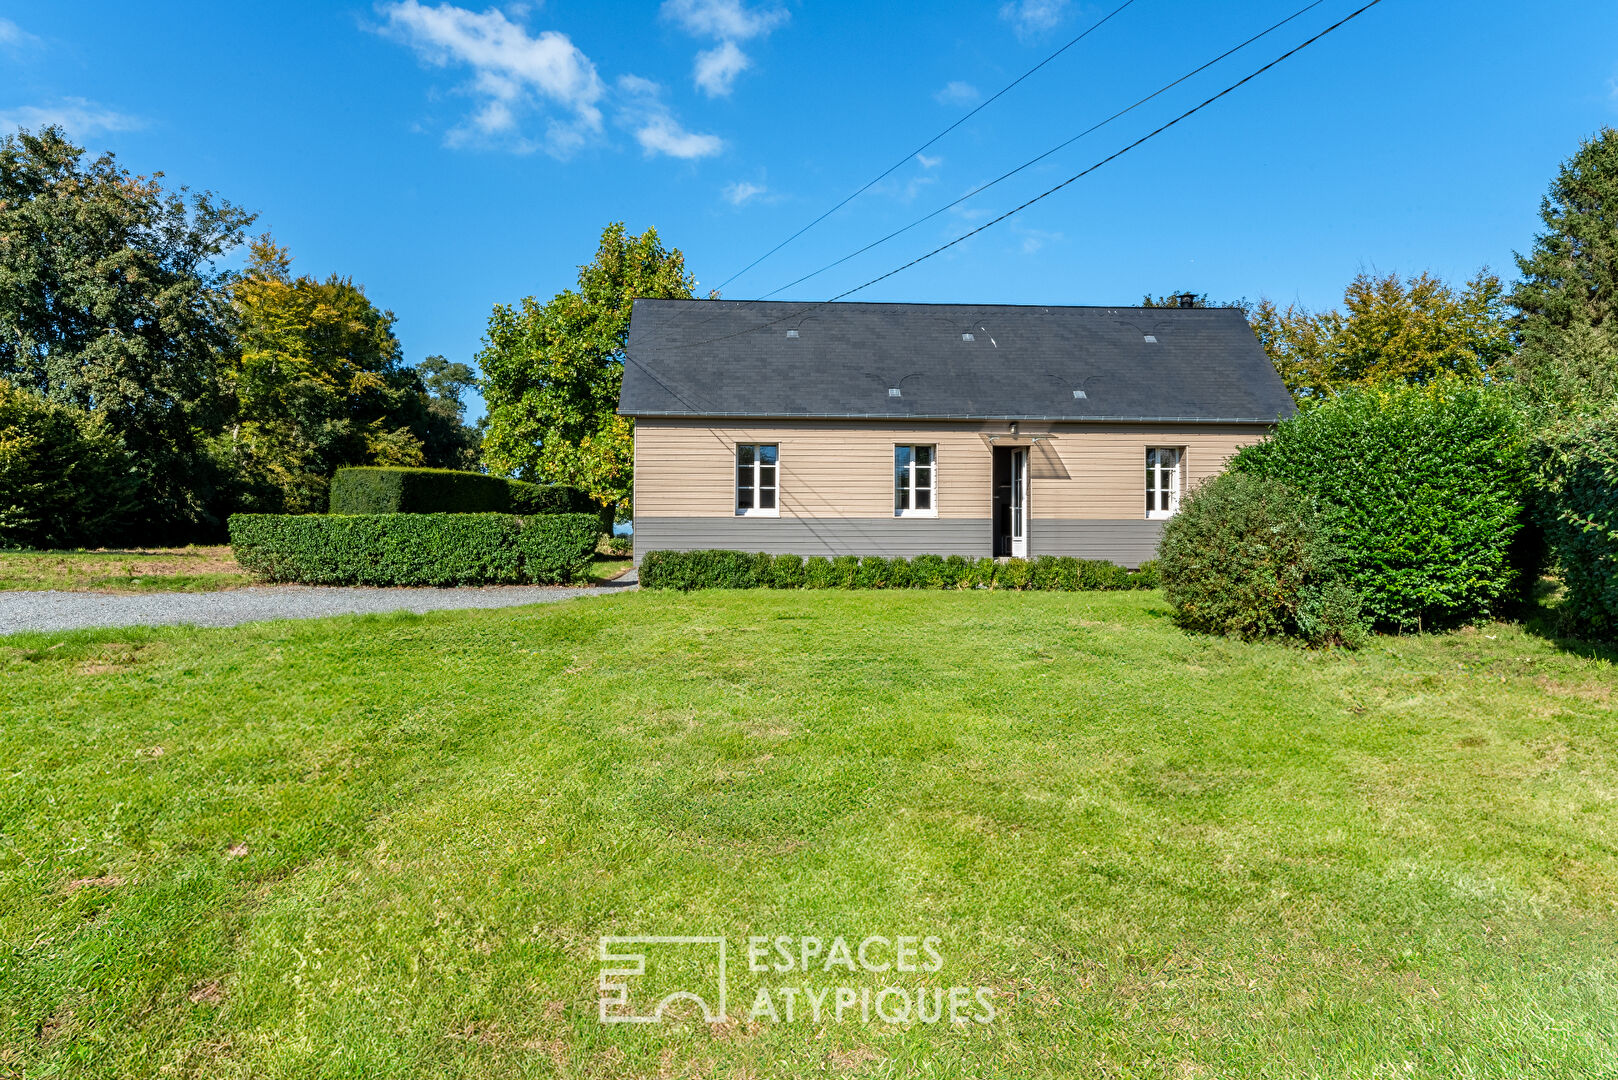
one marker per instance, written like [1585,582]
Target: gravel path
[77,610]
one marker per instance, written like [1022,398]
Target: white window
[913,478]
[756,479]
[1162,481]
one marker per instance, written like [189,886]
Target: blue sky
[449,158]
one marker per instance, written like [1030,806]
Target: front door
[1010,511]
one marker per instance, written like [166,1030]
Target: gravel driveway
[76,610]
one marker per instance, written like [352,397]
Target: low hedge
[387,490]
[1577,466]
[414,549]
[718,569]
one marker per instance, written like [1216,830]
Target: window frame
[910,488]
[1155,472]
[757,466]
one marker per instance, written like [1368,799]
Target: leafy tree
[111,301]
[449,442]
[1414,331]
[319,383]
[552,371]
[1568,296]
[65,479]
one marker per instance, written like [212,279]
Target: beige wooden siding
[834,469]
[1106,467]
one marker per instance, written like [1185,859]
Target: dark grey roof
[738,358]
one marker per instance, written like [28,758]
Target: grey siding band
[1127,542]
[815,536]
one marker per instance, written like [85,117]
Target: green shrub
[1423,490]
[706,569]
[786,572]
[872,573]
[1146,576]
[843,569]
[617,546]
[1577,471]
[1012,574]
[929,572]
[390,490]
[982,576]
[817,573]
[716,569]
[65,479]
[1249,557]
[413,549]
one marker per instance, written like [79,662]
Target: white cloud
[656,128]
[512,71]
[1033,16]
[80,117]
[718,67]
[744,191]
[15,36]
[1034,239]
[728,22]
[929,162]
[957,93]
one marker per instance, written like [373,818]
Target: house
[903,429]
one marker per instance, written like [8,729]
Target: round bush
[1423,490]
[1247,557]
[65,479]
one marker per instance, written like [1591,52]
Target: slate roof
[737,358]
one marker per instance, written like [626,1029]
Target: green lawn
[386,847]
[188,569]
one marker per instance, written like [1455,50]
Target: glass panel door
[1019,503]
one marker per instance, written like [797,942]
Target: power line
[980,189]
[1042,195]
[897,164]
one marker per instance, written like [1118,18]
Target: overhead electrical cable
[900,163]
[981,188]
[807,307]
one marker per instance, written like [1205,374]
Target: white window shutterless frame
[915,477]
[757,480]
[1163,481]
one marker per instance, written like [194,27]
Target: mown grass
[387,846]
[187,569]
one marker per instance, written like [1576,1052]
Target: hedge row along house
[906,429]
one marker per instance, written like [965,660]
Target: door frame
[1009,473]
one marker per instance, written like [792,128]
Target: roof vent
[893,391]
[1187,299]
[1081,395]
[968,337]
[792,333]
[1151,339]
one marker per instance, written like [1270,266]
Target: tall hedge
[1424,489]
[414,549]
[1578,503]
[386,490]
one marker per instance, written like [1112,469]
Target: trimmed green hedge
[717,569]
[386,490]
[414,549]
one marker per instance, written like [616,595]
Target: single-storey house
[906,429]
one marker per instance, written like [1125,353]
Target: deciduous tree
[111,300]
[552,371]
